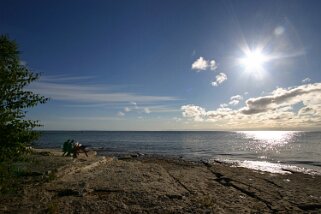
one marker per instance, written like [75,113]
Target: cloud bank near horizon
[298,106]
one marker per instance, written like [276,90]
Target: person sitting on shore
[68,148]
[79,148]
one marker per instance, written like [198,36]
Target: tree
[16,132]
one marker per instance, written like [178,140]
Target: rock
[68,192]
[175,196]
[45,153]
[124,157]
[153,184]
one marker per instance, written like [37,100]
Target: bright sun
[253,60]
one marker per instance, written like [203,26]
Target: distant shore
[159,184]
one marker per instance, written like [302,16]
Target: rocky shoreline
[156,184]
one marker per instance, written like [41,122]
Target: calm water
[264,150]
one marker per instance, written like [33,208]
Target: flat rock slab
[165,185]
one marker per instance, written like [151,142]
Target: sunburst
[254,61]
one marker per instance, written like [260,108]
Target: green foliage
[10,175]
[52,208]
[7,179]
[16,133]
[14,175]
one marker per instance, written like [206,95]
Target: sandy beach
[156,184]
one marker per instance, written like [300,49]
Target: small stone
[123,205]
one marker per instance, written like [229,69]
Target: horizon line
[186,130]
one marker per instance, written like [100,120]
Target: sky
[171,64]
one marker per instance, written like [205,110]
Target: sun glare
[253,61]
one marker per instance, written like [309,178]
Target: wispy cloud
[135,105]
[236,97]
[212,65]
[234,100]
[127,109]
[147,110]
[150,109]
[57,89]
[120,114]
[93,118]
[201,64]
[219,79]
[163,109]
[176,119]
[64,78]
[306,80]
[223,105]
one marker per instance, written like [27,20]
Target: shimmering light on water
[262,148]
[265,166]
[270,137]
[268,140]
[268,145]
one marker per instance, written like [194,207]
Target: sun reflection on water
[271,137]
[268,140]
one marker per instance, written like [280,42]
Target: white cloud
[223,105]
[212,65]
[283,97]
[120,114]
[146,110]
[201,64]
[220,78]
[219,113]
[192,111]
[150,109]
[134,104]
[306,80]
[176,119]
[234,100]
[236,97]
[127,109]
[274,110]
[307,110]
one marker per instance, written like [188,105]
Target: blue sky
[171,65]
